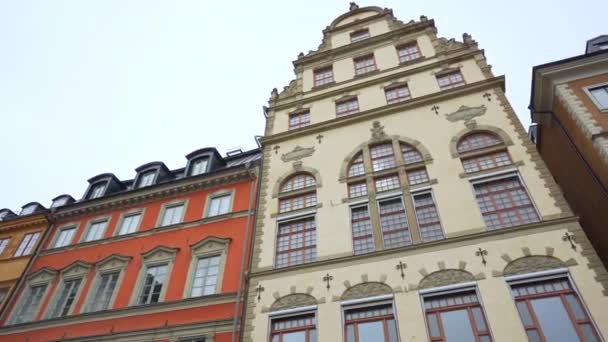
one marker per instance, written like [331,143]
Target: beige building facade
[401,200]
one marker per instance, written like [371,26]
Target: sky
[88,87]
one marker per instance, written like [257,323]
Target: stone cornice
[21,223]
[134,197]
[137,310]
[299,98]
[473,238]
[385,110]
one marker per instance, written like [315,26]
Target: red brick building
[160,257]
[569,105]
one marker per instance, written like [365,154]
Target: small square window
[96,230]
[97,190]
[451,80]
[408,52]
[172,215]
[365,64]
[323,76]
[599,95]
[220,205]
[347,107]
[64,237]
[146,179]
[199,166]
[129,224]
[359,35]
[300,119]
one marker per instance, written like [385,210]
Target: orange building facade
[157,258]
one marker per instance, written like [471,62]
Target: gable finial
[353,6]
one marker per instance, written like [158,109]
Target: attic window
[199,166]
[3,214]
[28,210]
[61,201]
[146,178]
[97,190]
[359,35]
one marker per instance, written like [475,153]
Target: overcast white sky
[105,86]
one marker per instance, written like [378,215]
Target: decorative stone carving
[291,301]
[353,6]
[466,113]
[468,40]
[290,90]
[445,277]
[534,263]
[446,45]
[366,290]
[297,153]
[377,131]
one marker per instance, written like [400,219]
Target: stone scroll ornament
[297,153]
[466,114]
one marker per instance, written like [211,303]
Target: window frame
[358,59]
[6,245]
[193,161]
[598,105]
[425,191]
[367,236]
[124,215]
[355,33]
[42,277]
[369,302]
[400,47]
[451,85]
[390,196]
[157,256]
[171,204]
[295,313]
[145,173]
[397,99]
[302,123]
[208,247]
[111,264]
[90,223]
[298,217]
[67,226]
[217,195]
[101,183]
[320,70]
[348,112]
[25,248]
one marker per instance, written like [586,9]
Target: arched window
[503,200]
[385,191]
[297,237]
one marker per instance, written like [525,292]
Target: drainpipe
[11,297]
[246,244]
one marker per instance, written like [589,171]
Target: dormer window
[3,214]
[28,209]
[60,201]
[199,166]
[146,179]
[359,35]
[97,190]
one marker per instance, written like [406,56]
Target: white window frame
[143,176]
[111,264]
[62,229]
[158,256]
[77,270]
[424,191]
[599,106]
[96,220]
[168,205]
[127,214]
[4,243]
[208,247]
[217,195]
[198,160]
[42,277]
[25,251]
[101,184]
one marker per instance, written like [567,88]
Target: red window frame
[291,203]
[324,75]
[397,94]
[427,216]
[432,310]
[297,182]
[394,224]
[497,205]
[347,107]
[563,293]
[359,35]
[363,65]
[385,318]
[387,183]
[304,322]
[418,176]
[454,79]
[296,241]
[357,189]
[486,161]
[363,234]
[408,52]
[299,119]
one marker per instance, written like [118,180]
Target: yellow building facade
[401,200]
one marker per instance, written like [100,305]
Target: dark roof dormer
[31,208]
[598,43]
[7,214]
[203,161]
[152,173]
[102,185]
[62,200]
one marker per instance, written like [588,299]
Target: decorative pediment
[210,244]
[466,113]
[297,153]
[113,261]
[445,277]
[43,275]
[369,289]
[291,301]
[160,253]
[533,263]
[77,268]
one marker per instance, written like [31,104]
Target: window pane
[589,333]
[173,215]
[601,96]
[575,305]
[479,320]
[350,333]
[428,217]
[104,291]
[522,307]
[393,222]
[554,320]
[298,336]
[96,231]
[65,237]
[372,331]
[147,179]
[533,336]
[219,205]
[205,278]
[433,326]
[363,239]
[199,166]
[392,330]
[456,326]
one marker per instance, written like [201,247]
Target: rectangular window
[297,202]
[417,176]
[357,189]
[199,166]
[300,328]
[370,323]
[451,80]
[296,242]
[387,183]
[504,203]
[3,293]
[205,277]
[600,96]
[27,210]
[323,76]
[456,317]
[550,310]
[486,162]
[153,284]
[357,167]
[220,205]
[65,298]
[347,107]
[408,52]
[29,304]
[363,236]
[397,94]
[27,244]
[382,157]
[359,35]
[427,217]
[365,64]
[104,292]
[172,215]
[65,237]
[3,244]
[300,119]
[393,223]
[147,179]
[97,191]
[129,224]
[96,230]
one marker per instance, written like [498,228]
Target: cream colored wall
[420,84]
[434,132]
[500,310]
[376,28]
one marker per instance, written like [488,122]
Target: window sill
[323,86]
[413,61]
[369,73]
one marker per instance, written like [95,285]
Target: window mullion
[408,201]
[374,213]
